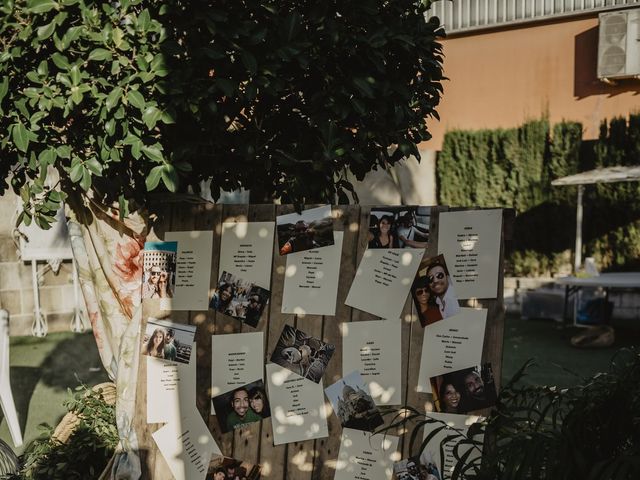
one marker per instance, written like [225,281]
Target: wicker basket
[67,425]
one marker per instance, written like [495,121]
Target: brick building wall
[16,291]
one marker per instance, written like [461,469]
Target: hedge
[515,167]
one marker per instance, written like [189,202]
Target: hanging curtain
[108,253]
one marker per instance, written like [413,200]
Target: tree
[282,97]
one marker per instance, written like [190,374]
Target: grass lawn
[41,371]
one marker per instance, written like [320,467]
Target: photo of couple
[302,354]
[244,405]
[433,292]
[239,299]
[169,341]
[416,468]
[399,227]
[159,267]
[465,390]
[225,468]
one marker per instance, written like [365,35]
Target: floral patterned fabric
[108,253]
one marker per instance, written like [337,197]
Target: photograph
[159,269]
[310,229]
[415,468]
[302,354]
[225,468]
[241,406]
[399,227]
[433,292]
[239,299]
[167,340]
[465,390]
[353,404]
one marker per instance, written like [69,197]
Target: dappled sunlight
[380,394]
[303,460]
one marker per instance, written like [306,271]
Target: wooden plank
[247,441]
[421,401]
[348,221]
[274,458]
[363,243]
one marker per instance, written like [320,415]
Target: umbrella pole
[577,262]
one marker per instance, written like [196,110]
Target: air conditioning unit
[619,45]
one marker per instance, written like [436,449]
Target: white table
[607,281]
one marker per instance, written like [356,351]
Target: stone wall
[16,291]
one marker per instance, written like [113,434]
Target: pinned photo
[465,391]
[239,299]
[433,292]
[225,468]
[159,269]
[241,406]
[399,227]
[302,354]
[310,229]
[416,468]
[353,404]
[167,340]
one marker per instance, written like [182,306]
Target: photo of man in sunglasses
[433,292]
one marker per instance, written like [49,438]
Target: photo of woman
[449,398]
[433,292]
[383,238]
[221,300]
[258,402]
[425,302]
[155,345]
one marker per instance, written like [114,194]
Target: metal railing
[459,16]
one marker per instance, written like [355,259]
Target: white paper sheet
[311,280]
[452,344]
[187,446]
[171,388]
[246,250]
[383,280]
[366,456]
[470,241]
[193,269]
[432,450]
[374,349]
[237,359]
[298,410]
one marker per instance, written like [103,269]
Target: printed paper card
[237,359]
[159,271]
[171,387]
[383,280]
[373,348]
[193,269]
[187,446]
[452,344]
[307,230]
[470,241]
[297,406]
[246,250]
[311,280]
[366,456]
[457,428]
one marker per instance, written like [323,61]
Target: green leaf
[113,98]
[60,61]
[85,182]
[153,153]
[153,179]
[43,68]
[4,87]
[249,61]
[100,54]
[136,99]
[158,66]
[45,31]
[41,6]
[94,166]
[76,172]
[150,116]
[123,206]
[47,157]
[144,20]
[64,151]
[75,75]
[170,177]
[20,137]
[76,95]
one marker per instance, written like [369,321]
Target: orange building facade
[502,76]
